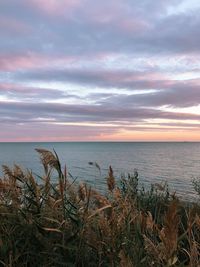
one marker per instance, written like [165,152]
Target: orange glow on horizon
[123,136]
[179,136]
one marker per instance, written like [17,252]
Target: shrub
[70,224]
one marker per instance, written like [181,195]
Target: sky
[109,70]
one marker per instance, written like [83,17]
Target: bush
[70,224]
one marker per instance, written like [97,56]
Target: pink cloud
[133,25]
[55,7]
[13,25]
[134,76]
[13,62]
[116,15]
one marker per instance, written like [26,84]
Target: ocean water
[175,163]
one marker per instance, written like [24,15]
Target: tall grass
[70,224]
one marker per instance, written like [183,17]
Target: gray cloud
[175,93]
[179,95]
[114,26]
[33,94]
[88,47]
[103,113]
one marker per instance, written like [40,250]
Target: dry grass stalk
[152,250]
[125,260]
[52,224]
[169,232]
[110,180]
[82,191]
[48,159]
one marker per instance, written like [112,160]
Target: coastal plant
[196,185]
[53,220]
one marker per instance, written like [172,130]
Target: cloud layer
[107,70]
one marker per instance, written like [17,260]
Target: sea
[174,163]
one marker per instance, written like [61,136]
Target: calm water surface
[176,163]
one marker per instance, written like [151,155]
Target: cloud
[177,95]
[54,7]
[166,91]
[33,94]
[102,78]
[69,66]
[106,26]
[81,113]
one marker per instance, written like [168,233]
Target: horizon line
[107,141]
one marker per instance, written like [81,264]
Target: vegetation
[70,224]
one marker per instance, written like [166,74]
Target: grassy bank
[71,224]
